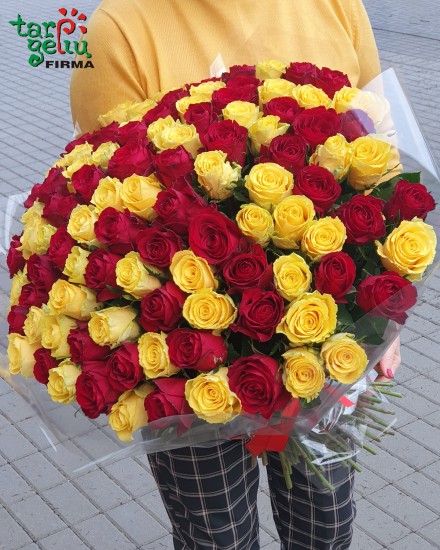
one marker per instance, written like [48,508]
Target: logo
[48,38]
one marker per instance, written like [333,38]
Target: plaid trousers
[210,495]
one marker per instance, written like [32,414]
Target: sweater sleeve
[114,79]
[364,43]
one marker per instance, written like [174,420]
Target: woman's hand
[389,363]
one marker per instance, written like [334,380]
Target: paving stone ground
[117,507]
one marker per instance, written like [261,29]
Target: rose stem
[343,446]
[391,393]
[287,470]
[377,409]
[312,467]
[264,459]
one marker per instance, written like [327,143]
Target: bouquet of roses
[228,256]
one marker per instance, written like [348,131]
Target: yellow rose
[104,153]
[256,223]
[76,263]
[135,277]
[304,374]
[243,112]
[153,355]
[178,134]
[34,212]
[264,130]
[21,355]
[182,105]
[78,156]
[309,96]
[292,216]
[18,281]
[275,87]
[206,89]
[129,414]
[54,332]
[343,99]
[271,68]
[158,126]
[81,226]
[108,194]
[344,358]
[114,325]
[125,112]
[62,382]
[211,399]
[310,319]
[76,301]
[36,232]
[371,156]
[139,194]
[192,273]
[335,155]
[268,184]
[43,236]
[33,325]
[292,276]
[207,310]
[216,175]
[138,110]
[409,249]
[323,237]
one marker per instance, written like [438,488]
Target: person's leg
[210,495]
[309,516]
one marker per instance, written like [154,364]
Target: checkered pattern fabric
[210,495]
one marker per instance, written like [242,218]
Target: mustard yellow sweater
[139,47]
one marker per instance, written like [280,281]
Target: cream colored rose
[409,249]
[242,112]
[292,217]
[344,358]
[81,226]
[158,126]
[76,263]
[206,89]
[104,153]
[136,277]
[335,155]
[33,325]
[18,281]
[270,68]
[275,87]
[114,325]
[376,107]
[264,130]
[139,195]
[216,174]
[255,223]
[154,357]
[268,184]
[207,310]
[129,414]
[308,96]
[323,237]
[178,134]
[21,355]
[371,156]
[76,301]
[304,374]
[54,332]
[192,273]
[211,399]
[62,382]
[292,276]
[310,319]
[108,194]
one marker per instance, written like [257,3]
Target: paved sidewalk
[118,507]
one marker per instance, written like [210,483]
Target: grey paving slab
[13,536]
[40,520]
[13,487]
[101,490]
[38,471]
[67,540]
[92,530]
[411,542]
[361,541]
[431,532]
[69,503]
[132,476]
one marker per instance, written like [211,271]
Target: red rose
[162,110]
[119,230]
[101,273]
[242,81]
[229,137]
[86,180]
[286,108]
[259,314]
[31,295]
[238,70]
[168,399]
[54,183]
[356,123]
[259,385]
[42,271]
[157,247]
[245,271]
[331,81]
[61,244]
[288,151]
[135,157]
[362,217]
[43,363]
[136,130]
[172,164]
[78,141]
[83,348]
[224,96]
[57,211]
[301,73]
[316,125]
[201,115]
[409,200]
[103,135]
[177,206]
[15,260]
[194,349]
[16,318]
[125,371]
[162,308]
[387,295]
[171,98]
[94,393]
[33,196]
[335,275]
[319,185]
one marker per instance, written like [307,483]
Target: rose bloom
[108,194]
[54,332]
[316,125]
[194,349]
[135,157]
[154,356]
[319,185]
[124,369]
[323,237]
[118,230]
[229,137]
[172,164]
[216,175]
[15,260]
[303,374]
[264,130]
[292,216]
[77,301]
[268,184]
[409,249]
[286,108]
[273,88]
[81,226]
[16,319]
[334,155]
[101,273]
[32,325]
[289,151]
[128,414]
[309,96]
[167,399]
[61,243]
[83,348]
[242,112]
[255,223]
[292,276]
[207,310]
[21,355]
[249,270]
[335,275]
[62,380]
[210,398]
[355,123]
[271,68]
[76,264]
[363,219]
[344,358]
[370,161]
[191,273]
[157,247]
[135,277]
[94,393]
[113,325]
[43,363]
[162,308]
[139,195]
[409,200]
[310,319]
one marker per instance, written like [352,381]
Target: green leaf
[345,319]
[313,403]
